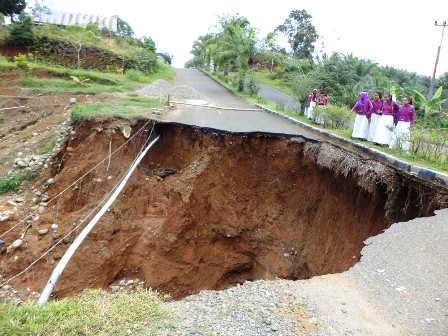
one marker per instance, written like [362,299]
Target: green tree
[204,51]
[236,45]
[12,7]
[78,37]
[149,44]
[21,32]
[39,8]
[167,58]
[269,43]
[301,34]
[123,28]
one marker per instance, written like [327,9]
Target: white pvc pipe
[11,108]
[71,250]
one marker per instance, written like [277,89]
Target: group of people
[314,100]
[383,121]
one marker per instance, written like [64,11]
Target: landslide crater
[208,209]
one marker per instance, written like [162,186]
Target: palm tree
[236,45]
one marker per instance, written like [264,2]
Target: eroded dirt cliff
[208,209]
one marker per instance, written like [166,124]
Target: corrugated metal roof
[62,18]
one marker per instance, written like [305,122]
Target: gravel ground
[398,288]
[405,272]
[320,306]
[183,93]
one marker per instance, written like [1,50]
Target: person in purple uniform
[405,120]
[374,114]
[312,101]
[362,107]
[384,130]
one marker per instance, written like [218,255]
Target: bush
[430,144]
[22,32]
[23,61]
[13,183]
[135,75]
[251,88]
[332,116]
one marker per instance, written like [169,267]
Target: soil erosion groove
[233,207]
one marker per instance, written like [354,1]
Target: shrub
[251,88]
[134,75]
[430,144]
[23,61]
[22,32]
[332,116]
[13,183]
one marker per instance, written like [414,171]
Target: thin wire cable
[63,191]
[71,231]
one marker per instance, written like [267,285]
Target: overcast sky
[399,33]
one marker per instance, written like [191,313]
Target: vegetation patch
[12,183]
[62,85]
[94,313]
[129,107]
[47,143]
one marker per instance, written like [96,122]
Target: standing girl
[384,129]
[405,120]
[362,107]
[374,115]
[322,101]
[312,100]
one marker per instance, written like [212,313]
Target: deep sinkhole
[208,209]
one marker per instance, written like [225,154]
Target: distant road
[229,120]
[275,96]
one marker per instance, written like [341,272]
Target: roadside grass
[95,312]
[165,72]
[62,85]
[12,183]
[265,78]
[43,77]
[6,66]
[127,107]
[103,78]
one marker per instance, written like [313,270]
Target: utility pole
[431,88]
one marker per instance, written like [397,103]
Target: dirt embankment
[207,210]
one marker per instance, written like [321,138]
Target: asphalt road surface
[241,117]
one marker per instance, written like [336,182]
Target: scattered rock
[126,131]
[16,244]
[43,232]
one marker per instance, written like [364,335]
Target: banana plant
[80,79]
[429,106]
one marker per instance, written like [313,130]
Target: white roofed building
[62,18]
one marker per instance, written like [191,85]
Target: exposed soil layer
[208,209]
